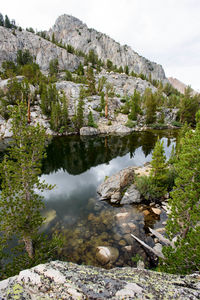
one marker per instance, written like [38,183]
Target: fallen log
[156,252]
[162,238]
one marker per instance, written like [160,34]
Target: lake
[77,165]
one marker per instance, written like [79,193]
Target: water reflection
[77,166]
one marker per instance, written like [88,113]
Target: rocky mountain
[179,85]
[43,50]
[74,32]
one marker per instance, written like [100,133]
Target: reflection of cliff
[76,155]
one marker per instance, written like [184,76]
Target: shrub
[177,124]
[91,122]
[147,188]
[130,123]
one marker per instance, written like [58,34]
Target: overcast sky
[164,31]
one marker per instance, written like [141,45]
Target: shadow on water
[77,166]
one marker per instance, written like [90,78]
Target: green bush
[177,124]
[148,189]
[130,124]
[158,126]
[91,122]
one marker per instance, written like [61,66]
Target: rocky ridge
[74,32]
[179,85]
[62,280]
[71,31]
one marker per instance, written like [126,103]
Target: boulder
[106,255]
[66,280]
[156,211]
[112,187]
[122,217]
[88,131]
[132,195]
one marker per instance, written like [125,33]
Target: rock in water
[111,188]
[106,255]
[132,195]
[88,131]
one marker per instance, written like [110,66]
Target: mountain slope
[43,50]
[74,32]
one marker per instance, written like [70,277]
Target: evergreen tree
[7,23]
[91,81]
[102,105]
[126,69]
[79,116]
[91,122]
[24,57]
[109,64]
[150,105]
[80,70]
[20,204]
[53,67]
[189,105]
[1,20]
[68,75]
[159,166]
[183,222]
[135,106]
[53,38]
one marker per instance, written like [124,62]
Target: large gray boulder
[89,131]
[132,195]
[63,280]
[112,188]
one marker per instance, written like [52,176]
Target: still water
[77,166]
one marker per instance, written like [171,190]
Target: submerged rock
[63,280]
[106,255]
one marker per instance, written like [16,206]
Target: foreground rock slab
[62,280]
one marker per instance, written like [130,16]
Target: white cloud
[167,32]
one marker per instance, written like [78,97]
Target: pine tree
[91,122]
[183,222]
[159,170]
[150,105]
[20,205]
[1,20]
[91,81]
[7,23]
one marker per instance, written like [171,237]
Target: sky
[164,31]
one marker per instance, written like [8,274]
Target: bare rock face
[179,85]
[74,32]
[43,50]
[63,280]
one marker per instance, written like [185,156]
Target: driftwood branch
[156,252]
[162,238]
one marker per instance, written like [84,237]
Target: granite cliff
[74,32]
[43,50]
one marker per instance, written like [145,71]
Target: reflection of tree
[77,154]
